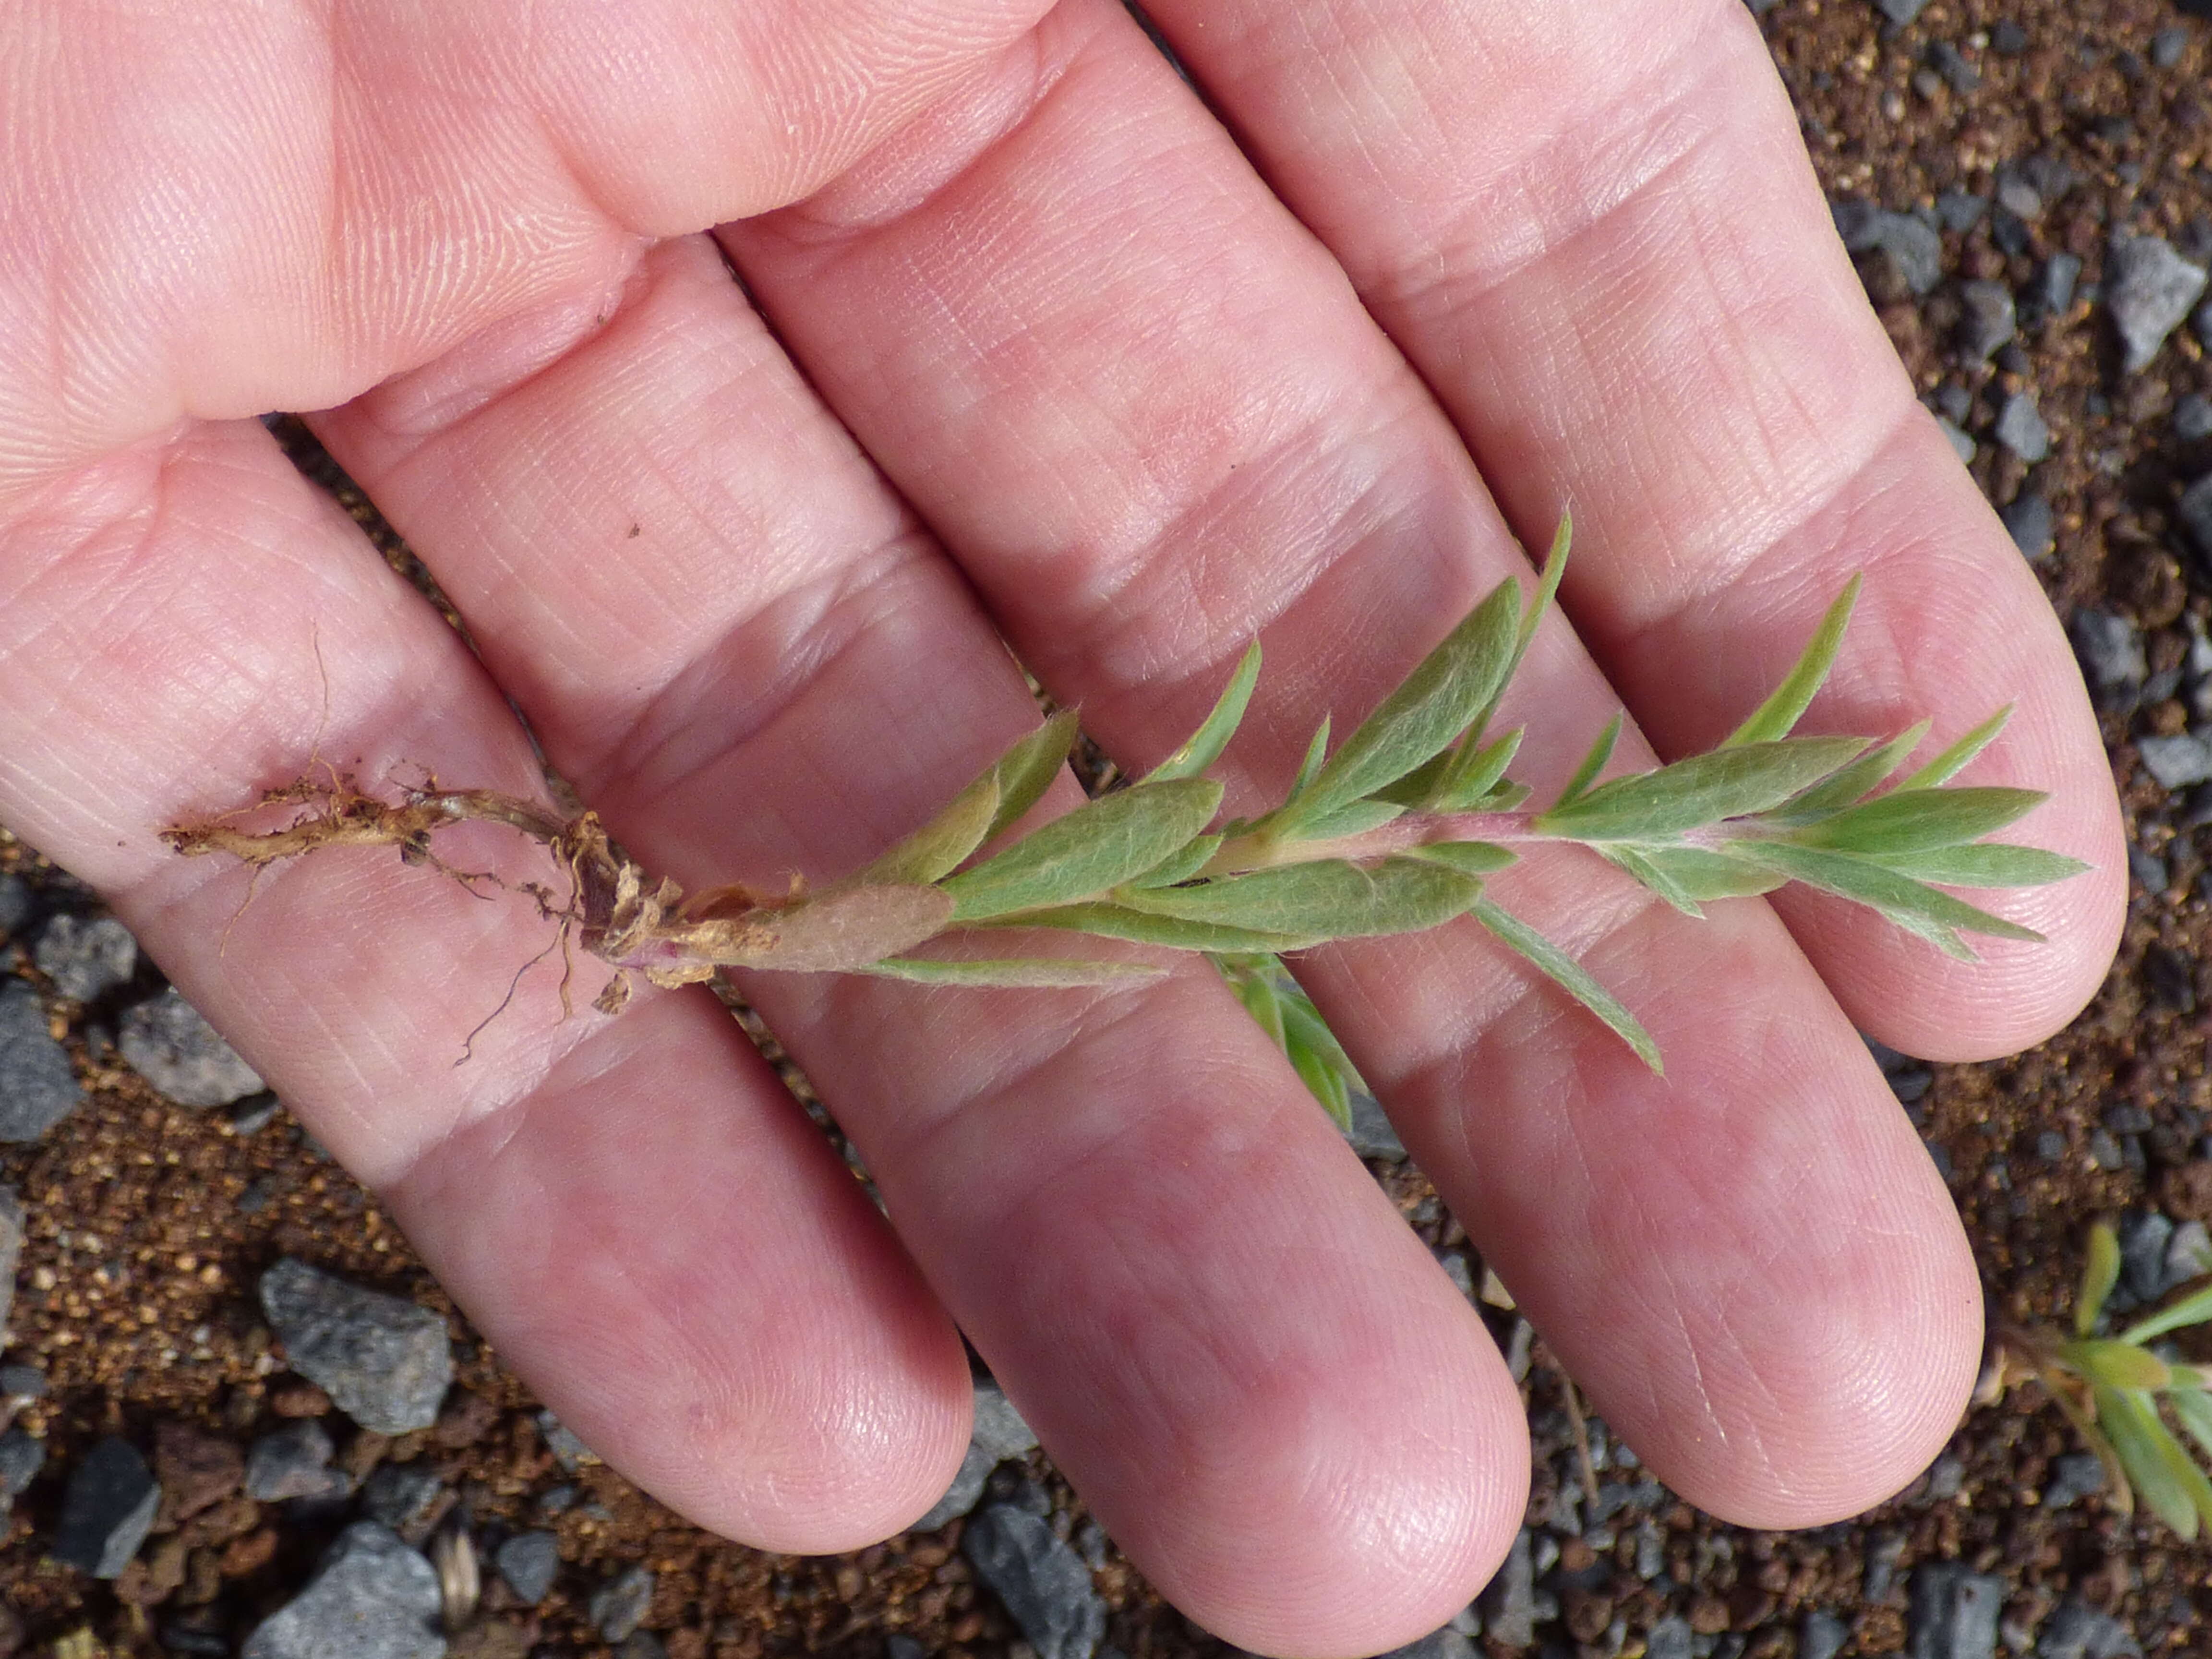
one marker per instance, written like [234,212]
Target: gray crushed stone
[169,1042]
[38,1085]
[85,958]
[371,1598]
[106,1510]
[1042,1582]
[619,1605]
[1953,1612]
[529,1561]
[384,1361]
[2149,288]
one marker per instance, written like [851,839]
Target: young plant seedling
[2111,1389]
[1392,831]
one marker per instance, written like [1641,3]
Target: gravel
[619,1605]
[384,1362]
[169,1042]
[1000,1435]
[1822,1636]
[1509,1601]
[2112,654]
[21,1456]
[1953,1612]
[2143,1237]
[106,1510]
[19,904]
[2195,510]
[1989,319]
[529,1561]
[1900,12]
[85,958]
[2192,418]
[2053,292]
[1914,246]
[2021,430]
[38,1085]
[295,1462]
[2079,1631]
[2178,761]
[1445,1643]
[400,1494]
[569,1451]
[1042,1584]
[1961,445]
[1372,1134]
[2033,528]
[372,1598]
[2149,289]
[1961,210]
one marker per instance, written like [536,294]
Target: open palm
[1028,348]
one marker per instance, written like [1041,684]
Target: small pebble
[1961,445]
[2020,428]
[1372,1134]
[2112,654]
[1670,1639]
[21,1456]
[168,1042]
[295,1462]
[1442,1644]
[2176,762]
[2143,1237]
[1042,1582]
[386,1362]
[1821,1636]
[18,905]
[2076,1631]
[106,1510]
[1990,320]
[1947,61]
[569,1451]
[2188,1255]
[371,1598]
[1953,1612]
[22,1382]
[2053,292]
[2007,37]
[529,1562]
[2168,46]
[2032,527]
[619,1605]
[1907,239]
[85,958]
[2019,197]
[1961,210]
[1509,1602]
[1900,12]
[2074,1476]
[38,1085]
[2149,288]
[2195,510]
[400,1494]
[2192,418]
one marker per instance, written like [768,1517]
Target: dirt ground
[147,1224]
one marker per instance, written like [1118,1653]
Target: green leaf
[1025,771]
[1849,785]
[1700,790]
[1328,899]
[1474,772]
[2194,1407]
[2100,1271]
[1043,973]
[1471,858]
[1356,819]
[1183,866]
[1700,873]
[1095,847]
[1316,752]
[1427,712]
[2119,1365]
[1109,920]
[1313,1047]
[1953,759]
[2158,1467]
[1204,747]
[943,844]
[1259,988]
[1917,820]
[1570,976]
[1655,877]
[1986,864]
[1775,717]
[1931,914]
[1601,751]
[2194,1309]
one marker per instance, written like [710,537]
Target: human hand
[1140,412]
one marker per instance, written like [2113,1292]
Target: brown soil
[147,1225]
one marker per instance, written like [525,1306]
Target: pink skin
[1135,406]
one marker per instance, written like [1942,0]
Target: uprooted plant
[1393,831]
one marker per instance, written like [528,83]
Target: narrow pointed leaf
[1985,864]
[1700,873]
[1328,899]
[2193,1407]
[943,844]
[1204,747]
[2100,1271]
[1038,973]
[1476,772]
[2118,1364]
[1848,785]
[2194,1309]
[1027,770]
[1601,751]
[1471,858]
[1650,874]
[1775,717]
[1424,714]
[1953,760]
[2119,1496]
[1701,790]
[1089,850]
[1309,768]
[1181,865]
[1502,797]
[1110,921]
[1928,911]
[1260,991]
[2157,1467]
[1548,587]
[1355,818]
[1303,1025]
[1324,1082]
[1916,820]
[1570,976]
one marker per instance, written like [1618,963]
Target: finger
[229,208]
[633,1212]
[742,649]
[1185,427]
[1596,235]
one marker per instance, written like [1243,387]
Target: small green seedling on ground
[1393,830]
[2112,1388]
